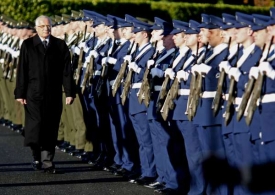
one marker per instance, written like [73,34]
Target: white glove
[2,60]
[77,50]
[128,58]
[94,53]
[150,63]
[195,68]
[16,54]
[134,67]
[182,75]
[235,73]
[170,73]
[224,65]
[203,68]
[268,69]
[82,44]
[111,60]
[157,72]
[254,72]
[104,60]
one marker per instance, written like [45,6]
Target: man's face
[204,35]
[139,36]
[110,32]
[271,32]
[156,35]
[127,33]
[168,41]
[214,37]
[100,30]
[118,33]
[191,39]
[260,37]
[242,34]
[179,39]
[231,32]
[24,32]
[43,27]
[89,24]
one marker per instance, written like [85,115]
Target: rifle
[195,91]
[79,64]
[104,73]
[164,86]
[11,72]
[74,56]
[127,85]
[14,61]
[231,95]
[257,91]
[168,103]
[188,111]
[172,94]
[89,70]
[120,74]
[246,95]
[6,65]
[145,83]
[216,104]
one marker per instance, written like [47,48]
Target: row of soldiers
[156,99]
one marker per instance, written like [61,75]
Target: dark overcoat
[40,75]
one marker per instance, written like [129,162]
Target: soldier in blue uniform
[96,106]
[137,111]
[229,32]
[160,132]
[121,130]
[251,54]
[179,118]
[209,126]
[267,137]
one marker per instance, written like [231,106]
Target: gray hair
[42,17]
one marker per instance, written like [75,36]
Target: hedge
[28,10]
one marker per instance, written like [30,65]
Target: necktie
[270,54]
[209,53]
[45,44]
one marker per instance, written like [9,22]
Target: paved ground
[18,178]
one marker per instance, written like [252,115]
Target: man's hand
[69,100]
[22,101]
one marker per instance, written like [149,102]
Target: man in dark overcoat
[44,66]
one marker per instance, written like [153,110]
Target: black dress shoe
[36,165]
[62,145]
[115,167]
[121,172]
[50,170]
[19,130]
[155,185]
[7,123]
[167,191]
[68,149]
[145,180]
[102,162]
[76,152]
[16,127]
[87,156]
[131,176]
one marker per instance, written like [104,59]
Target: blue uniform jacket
[134,106]
[267,110]
[151,113]
[204,116]
[181,101]
[119,55]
